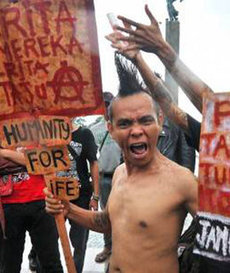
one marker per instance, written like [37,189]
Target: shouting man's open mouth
[138,149]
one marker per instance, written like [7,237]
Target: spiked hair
[128,76]
[129,80]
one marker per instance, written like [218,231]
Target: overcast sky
[204,39]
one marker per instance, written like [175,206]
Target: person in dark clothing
[172,144]
[34,264]
[24,211]
[83,149]
[193,135]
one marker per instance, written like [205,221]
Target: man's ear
[161,117]
[110,127]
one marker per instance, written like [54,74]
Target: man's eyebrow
[124,120]
[147,117]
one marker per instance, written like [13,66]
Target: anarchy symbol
[67,77]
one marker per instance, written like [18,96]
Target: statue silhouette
[172,12]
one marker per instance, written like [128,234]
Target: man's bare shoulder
[178,175]
[119,172]
[175,167]
[120,168]
[184,183]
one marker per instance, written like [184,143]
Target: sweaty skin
[149,199]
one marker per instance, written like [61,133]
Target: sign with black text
[47,160]
[65,188]
[44,130]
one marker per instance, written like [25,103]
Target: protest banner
[44,130]
[49,58]
[213,237]
[64,188]
[49,65]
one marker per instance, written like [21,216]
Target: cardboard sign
[47,160]
[214,175]
[49,59]
[45,130]
[65,188]
[213,235]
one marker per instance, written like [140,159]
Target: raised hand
[145,37]
[123,47]
[149,39]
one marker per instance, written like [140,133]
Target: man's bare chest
[142,205]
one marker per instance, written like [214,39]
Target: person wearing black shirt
[83,148]
[193,133]
[172,144]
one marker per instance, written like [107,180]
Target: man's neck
[152,165]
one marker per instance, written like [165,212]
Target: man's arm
[94,171]
[189,190]
[17,157]
[161,94]
[149,39]
[94,220]
[97,221]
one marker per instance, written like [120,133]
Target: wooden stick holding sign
[49,160]
[60,223]
[64,188]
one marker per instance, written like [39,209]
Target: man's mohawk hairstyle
[128,76]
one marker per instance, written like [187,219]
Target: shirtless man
[150,195]
[149,38]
